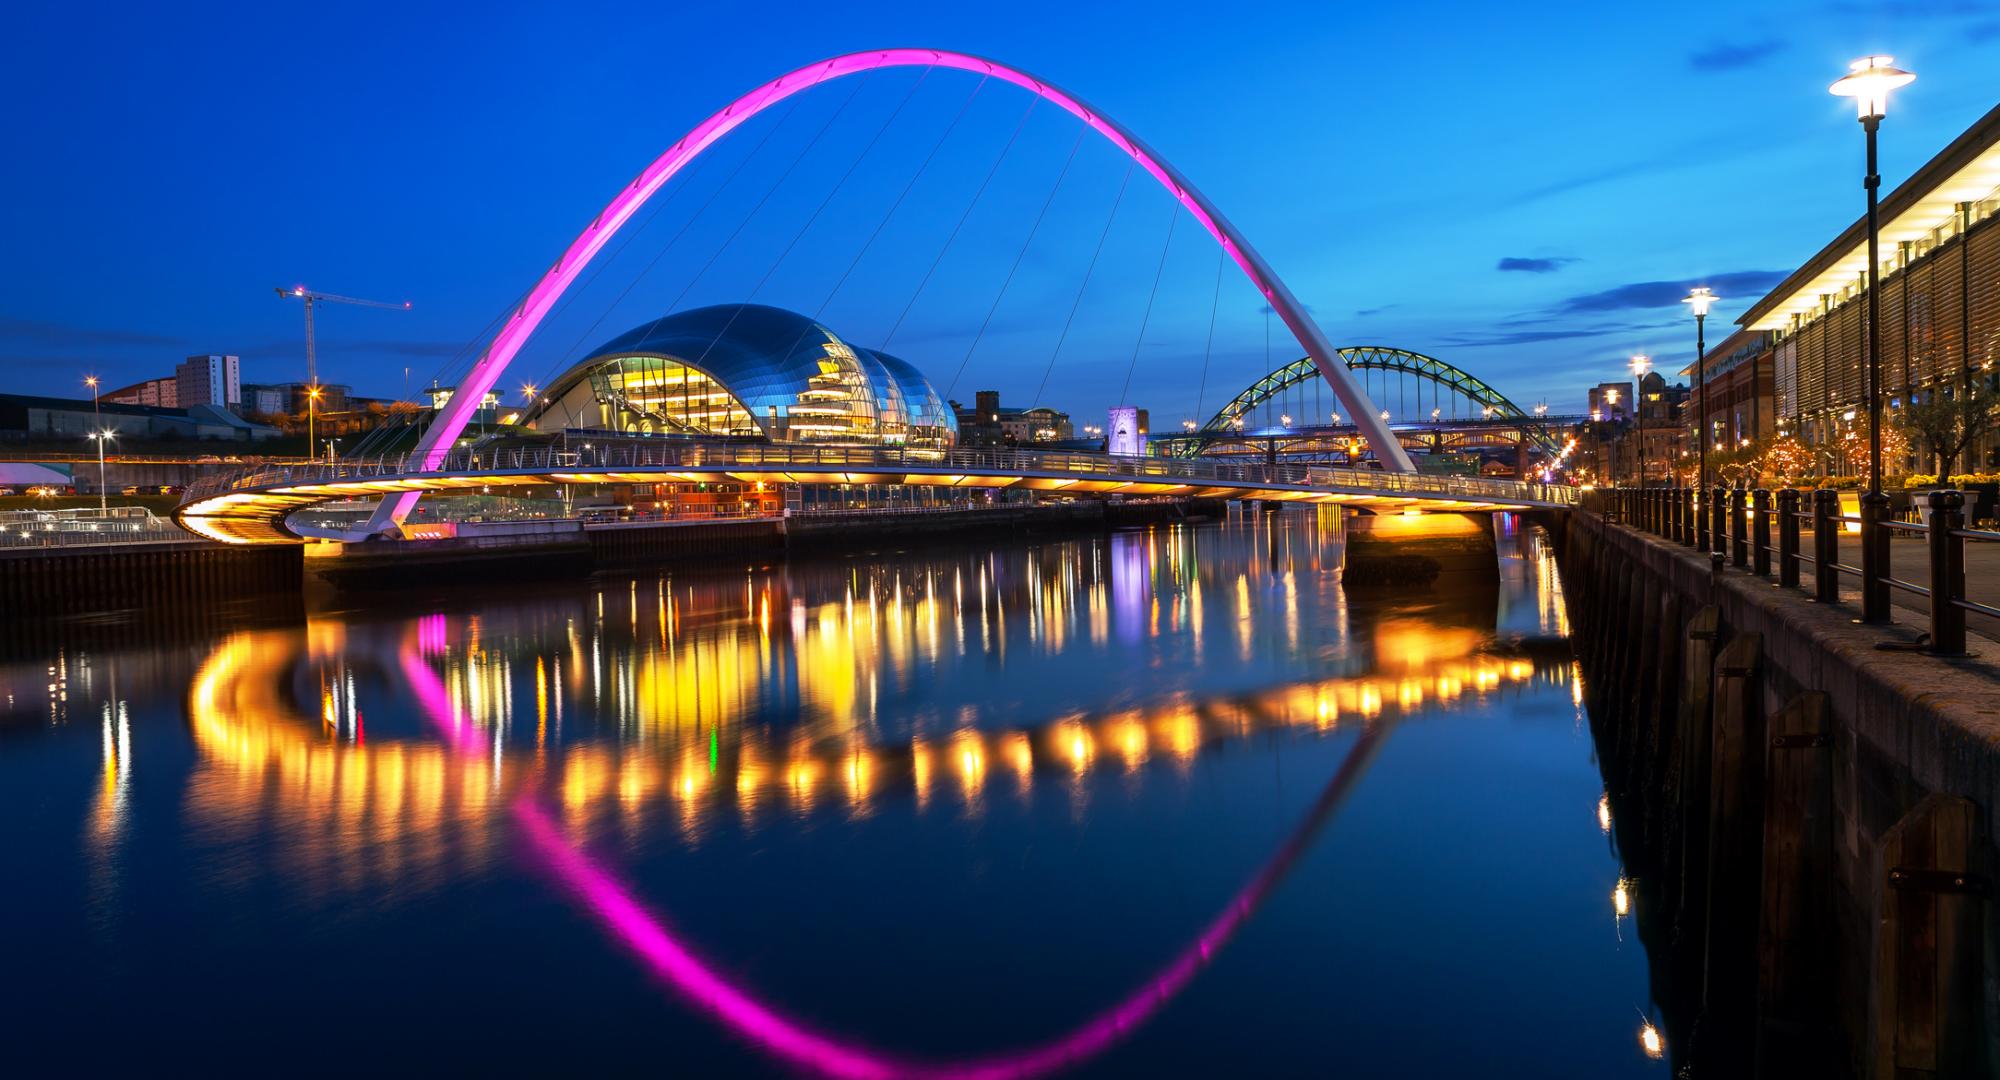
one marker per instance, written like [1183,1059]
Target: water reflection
[385,754]
[671,678]
[680,739]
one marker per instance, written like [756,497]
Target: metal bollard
[1874,557]
[1718,524]
[1701,517]
[1788,538]
[1760,532]
[1947,573]
[1689,523]
[1826,546]
[1739,529]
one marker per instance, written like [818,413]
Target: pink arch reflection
[687,974]
[438,438]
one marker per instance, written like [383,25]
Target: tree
[1946,419]
[1854,447]
[1787,458]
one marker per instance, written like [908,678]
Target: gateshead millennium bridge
[252,508]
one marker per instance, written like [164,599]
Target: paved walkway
[1909,560]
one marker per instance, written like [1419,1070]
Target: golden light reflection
[1650,1041]
[1604,813]
[968,752]
[664,720]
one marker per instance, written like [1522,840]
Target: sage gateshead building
[746,371]
[1939,282]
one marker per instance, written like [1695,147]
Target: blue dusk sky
[1523,190]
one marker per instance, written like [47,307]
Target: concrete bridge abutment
[1421,549]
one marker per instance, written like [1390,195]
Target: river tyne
[1158,802]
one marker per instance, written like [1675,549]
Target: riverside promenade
[1808,802]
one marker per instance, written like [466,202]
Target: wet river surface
[1161,802]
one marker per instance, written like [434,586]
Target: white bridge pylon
[439,437]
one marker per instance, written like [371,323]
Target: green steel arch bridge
[1283,414]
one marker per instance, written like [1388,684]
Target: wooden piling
[1930,944]
[1698,661]
[1735,840]
[1795,946]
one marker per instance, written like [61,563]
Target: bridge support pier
[1406,549]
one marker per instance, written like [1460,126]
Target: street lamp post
[1868,81]
[96,412]
[1700,300]
[312,418]
[1639,366]
[103,503]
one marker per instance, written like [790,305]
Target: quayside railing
[77,527]
[1735,527]
[555,459]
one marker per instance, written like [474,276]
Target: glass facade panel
[748,370]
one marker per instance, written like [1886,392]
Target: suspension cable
[759,205]
[1146,319]
[562,360]
[1085,283]
[922,167]
[1208,347]
[993,308]
[803,229]
[962,219]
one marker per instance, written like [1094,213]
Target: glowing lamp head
[90,381]
[1868,81]
[1700,300]
[1641,365]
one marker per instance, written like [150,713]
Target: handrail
[862,459]
[1665,512]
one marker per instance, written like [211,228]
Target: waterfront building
[988,423]
[159,393]
[260,399]
[24,416]
[1611,401]
[1608,443]
[209,380]
[1940,300]
[745,371]
[1732,403]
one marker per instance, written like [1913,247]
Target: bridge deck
[251,507]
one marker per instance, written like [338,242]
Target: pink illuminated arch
[788,1038]
[438,438]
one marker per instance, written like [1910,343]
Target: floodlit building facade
[209,380]
[746,371]
[1939,300]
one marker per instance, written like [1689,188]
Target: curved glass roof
[795,378]
[930,417]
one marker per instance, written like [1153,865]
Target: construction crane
[311,298]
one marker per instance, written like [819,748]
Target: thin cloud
[1733,56]
[1523,265]
[1530,337]
[71,334]
[1638,295]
